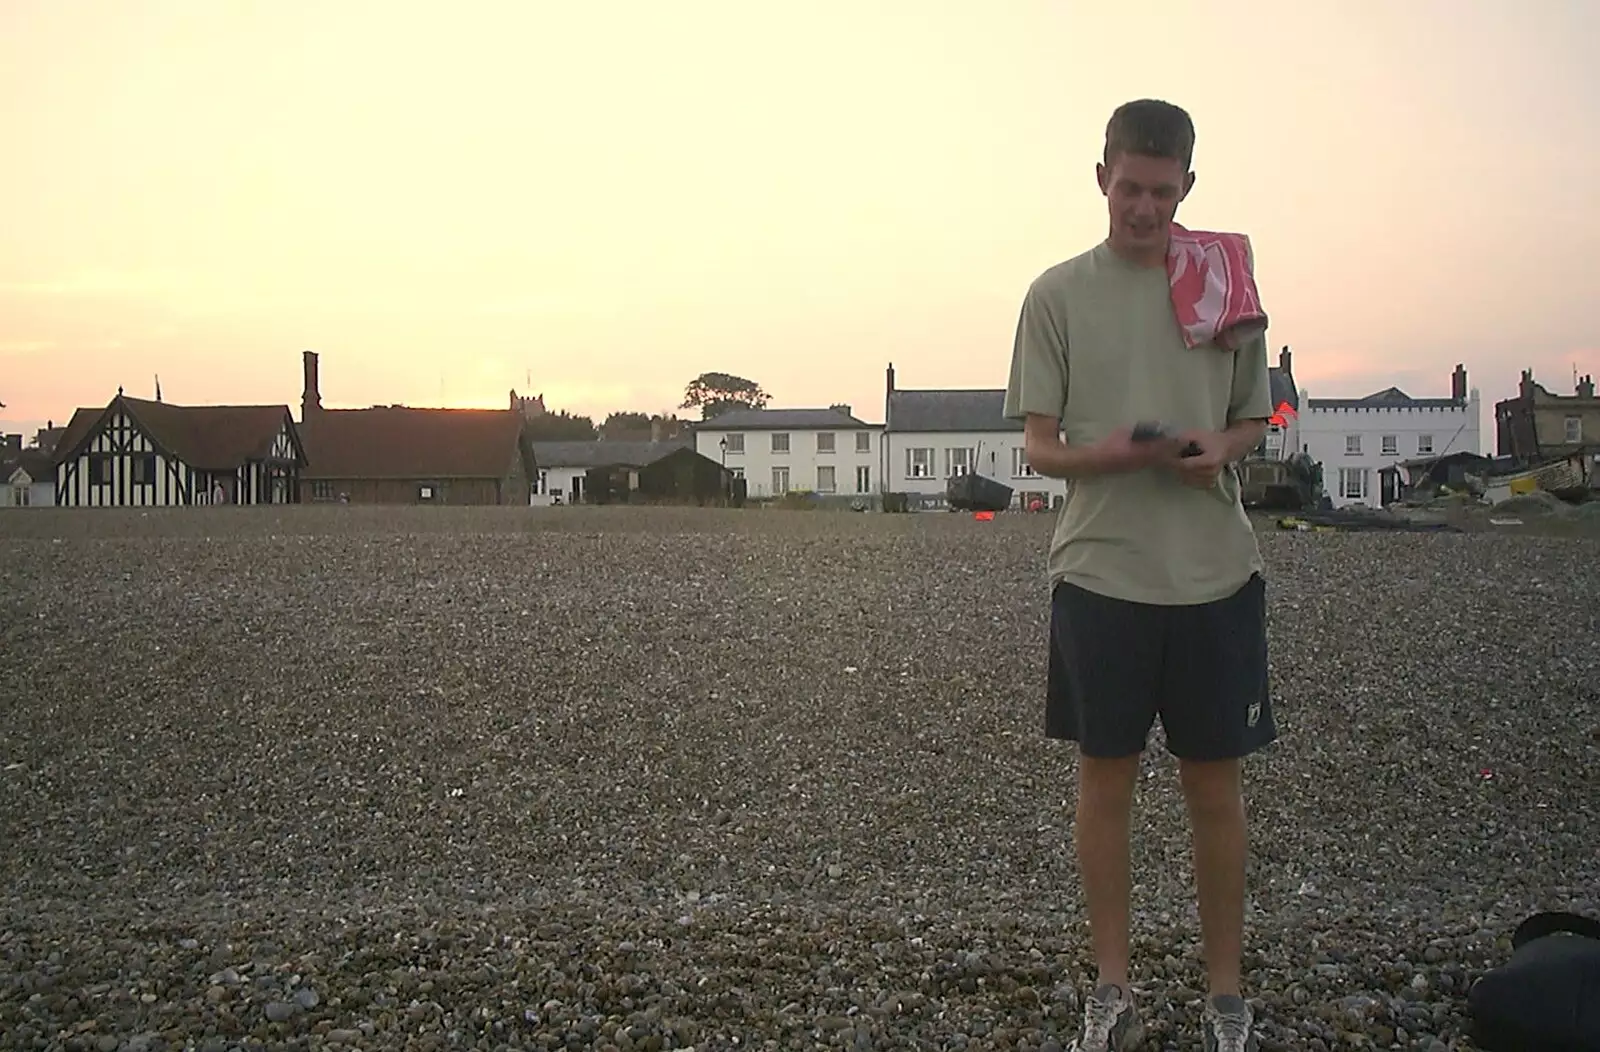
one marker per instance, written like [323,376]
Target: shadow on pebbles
[642,779]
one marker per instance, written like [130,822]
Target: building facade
[1539,425]
[142,454]
[27,476]
[933,435]
[828,452]
[1361,443]
[402,455]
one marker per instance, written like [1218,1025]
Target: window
[1353,483]
[863,441]
[1020,468]
[21,495]
[737,473]
[780,442]
[919,463]
[1424,443]
[323,490]
[824,441]
[143,466]
[541,484]
[863,479]
[780,481]
[735,442]
[99,469]
[825,479]
[426,492]
[1391,445]
[1352,445]
[1572,428]
[957,461]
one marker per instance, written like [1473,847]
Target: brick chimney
[311,398]
[1285,361]
[1586,385]
[1458,383]
[1525,386]
[841,408]
[891,378]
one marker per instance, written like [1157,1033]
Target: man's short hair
[1152,128]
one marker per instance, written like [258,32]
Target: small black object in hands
[1149,431]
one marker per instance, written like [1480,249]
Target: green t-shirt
[1098,345]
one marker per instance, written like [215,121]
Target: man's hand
[1120,453]
[1217,449]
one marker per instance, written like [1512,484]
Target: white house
[563,467]
[27,476]
[776,451]
[931,436]
[1360,442]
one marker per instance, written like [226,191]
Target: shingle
[209,438]
[402,443]
[782,420]
[598,454]
[931,411]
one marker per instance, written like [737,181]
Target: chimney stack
[1586,385]
[655,429]
[12,444]
[841,408]
[1284,360]
[311,398]
[1525,387]
[891,378]
[1458,383]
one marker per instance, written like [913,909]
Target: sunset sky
[446,200]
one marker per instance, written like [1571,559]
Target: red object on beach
[983,516]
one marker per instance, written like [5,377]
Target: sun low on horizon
[599,202]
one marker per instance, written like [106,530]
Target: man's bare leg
[1105,798]
[1215,794]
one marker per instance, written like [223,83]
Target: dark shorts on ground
[1117,665]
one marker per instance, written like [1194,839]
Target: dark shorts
[1117,665]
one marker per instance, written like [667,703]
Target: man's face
[1143,194]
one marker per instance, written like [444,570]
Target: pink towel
[1214,287]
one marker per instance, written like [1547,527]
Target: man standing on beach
[1157,594]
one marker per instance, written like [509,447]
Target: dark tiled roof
[1388,398]
[206,437]
[1282,385]
[36,462]
[606,453]
[395,442]
[949,411]
[783,420]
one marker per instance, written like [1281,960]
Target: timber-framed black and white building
[142,454]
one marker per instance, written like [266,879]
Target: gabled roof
[205,437]
[956,410]
[604,454]
[783,420]
[397,442]
[1388,398]
[36,463]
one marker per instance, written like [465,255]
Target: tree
[620,423]
[561,427]
[716,393]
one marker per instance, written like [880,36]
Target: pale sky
[613,197]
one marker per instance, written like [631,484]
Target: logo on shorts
[1255,714]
